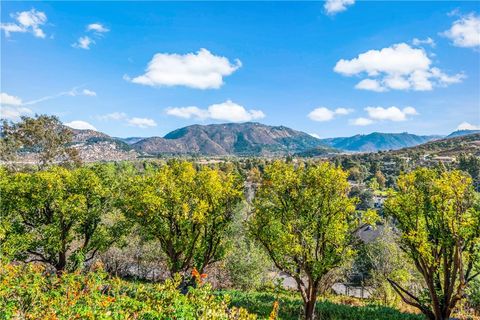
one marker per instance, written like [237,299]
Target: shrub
[28,292]
[290,307]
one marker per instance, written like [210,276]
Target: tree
[44,135]
[440,232]
[188,211]
[381,180]
[364,196]
[381,259]
[303,218]
[58,216]
[471,164]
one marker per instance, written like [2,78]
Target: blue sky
[330,69]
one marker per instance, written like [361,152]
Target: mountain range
[378,141]
[252,139]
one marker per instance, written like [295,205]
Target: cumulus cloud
[361,121]
[391,113]
[335,6]
[467,126]
[6,99]
[97,27]
[79,124]
[465,32]
[324,114]
[226,111]
[428,41]
[314,135]
[141,122]
[399,67]
[11,107]
[201,70]
[376,114]
[83,43]
[26,21]
[122,116]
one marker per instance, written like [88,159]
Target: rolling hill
[230,139]
[449,146]
[460,133]
[378,141]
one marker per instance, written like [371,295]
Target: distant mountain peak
[248,138]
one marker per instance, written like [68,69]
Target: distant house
[443,159]
[378,201]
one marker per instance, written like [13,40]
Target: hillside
[97,146]
[377,141]
[460,133]
[463,144]
[230,139]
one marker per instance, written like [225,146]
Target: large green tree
[440,232]
[44,135]
[60,217]
[304,218]
[188,210]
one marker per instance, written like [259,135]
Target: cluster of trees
[303,216]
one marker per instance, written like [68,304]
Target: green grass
[290,308]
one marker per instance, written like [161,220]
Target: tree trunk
[310,305]
[62,262]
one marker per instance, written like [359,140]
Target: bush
[290,307]
[28,292]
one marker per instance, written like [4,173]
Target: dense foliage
[440,232]
[58,216]
[187,210]
[27,292]
[303,218]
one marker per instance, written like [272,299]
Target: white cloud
[13,112]
[188,112]
[399,67]
[90,93]
[26,21]
[201,70]
[113,116]
[72,93]
[226,111]
[324,114]
[361,121]
[391,113]
[122,116]
[6,99]
[11,107]
[370,84]
[79,124]
[83,43]
[428,41]
[384,114]
[314,135]
[465,32]
[467,126]
[97,27]
[141,122]
[335,6]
